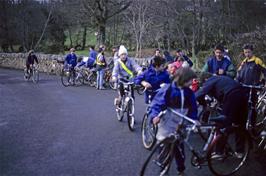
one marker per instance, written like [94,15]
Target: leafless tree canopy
[193,25]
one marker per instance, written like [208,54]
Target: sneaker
[239,155]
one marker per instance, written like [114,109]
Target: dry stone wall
[48,63]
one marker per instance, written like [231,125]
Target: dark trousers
[254,100]
[235,108]
[122,90]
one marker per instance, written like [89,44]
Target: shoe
[239,155]
[102,88]
[181,173]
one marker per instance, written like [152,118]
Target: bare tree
[102,10]
[139,19]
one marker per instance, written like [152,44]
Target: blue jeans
[100,74]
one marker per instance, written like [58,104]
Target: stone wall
[47,62]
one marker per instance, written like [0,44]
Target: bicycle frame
[251,105]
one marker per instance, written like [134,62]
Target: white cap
[122,50]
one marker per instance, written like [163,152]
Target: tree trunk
[102,29]
[84,36]
[70,38]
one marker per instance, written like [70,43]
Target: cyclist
[179,96]
[250,72]
[71,59]
[153,77]
[100,67]
[218,64]
[30,60]
[124,68]
[231,95]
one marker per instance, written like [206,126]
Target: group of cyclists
[218,78]
[173,84]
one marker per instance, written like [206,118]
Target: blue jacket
[170,96]
[93,54]
[71,59]
[213,65]
[154,78]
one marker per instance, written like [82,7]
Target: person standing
[218,64]
[250,72]
[100,67]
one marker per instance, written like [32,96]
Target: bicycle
[212,109]
[127,104]
[258,130]
[82,75]
[108,79]
[148,129]
[68,75]
[32,74]
[255,127]
[160,159]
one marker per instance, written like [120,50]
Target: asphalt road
[49,130]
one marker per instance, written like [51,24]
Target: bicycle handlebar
[253,86]
[125,82]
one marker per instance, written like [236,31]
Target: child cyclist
[153,77]
[180,97]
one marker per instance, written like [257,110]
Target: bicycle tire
[261,113]
[26,75]
[92,79]
[148,133]
[130,115]
[65,77]
[35,76]
[79,79]
[228,162]
[160,159]
[120,111]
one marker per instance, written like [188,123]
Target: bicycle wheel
[261,113]
[228,160]
[26,75]
[92,79]
[120,111]
[65,77]
[148,133]
[130,115]
[160,159]
[79,79]
[35,76]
